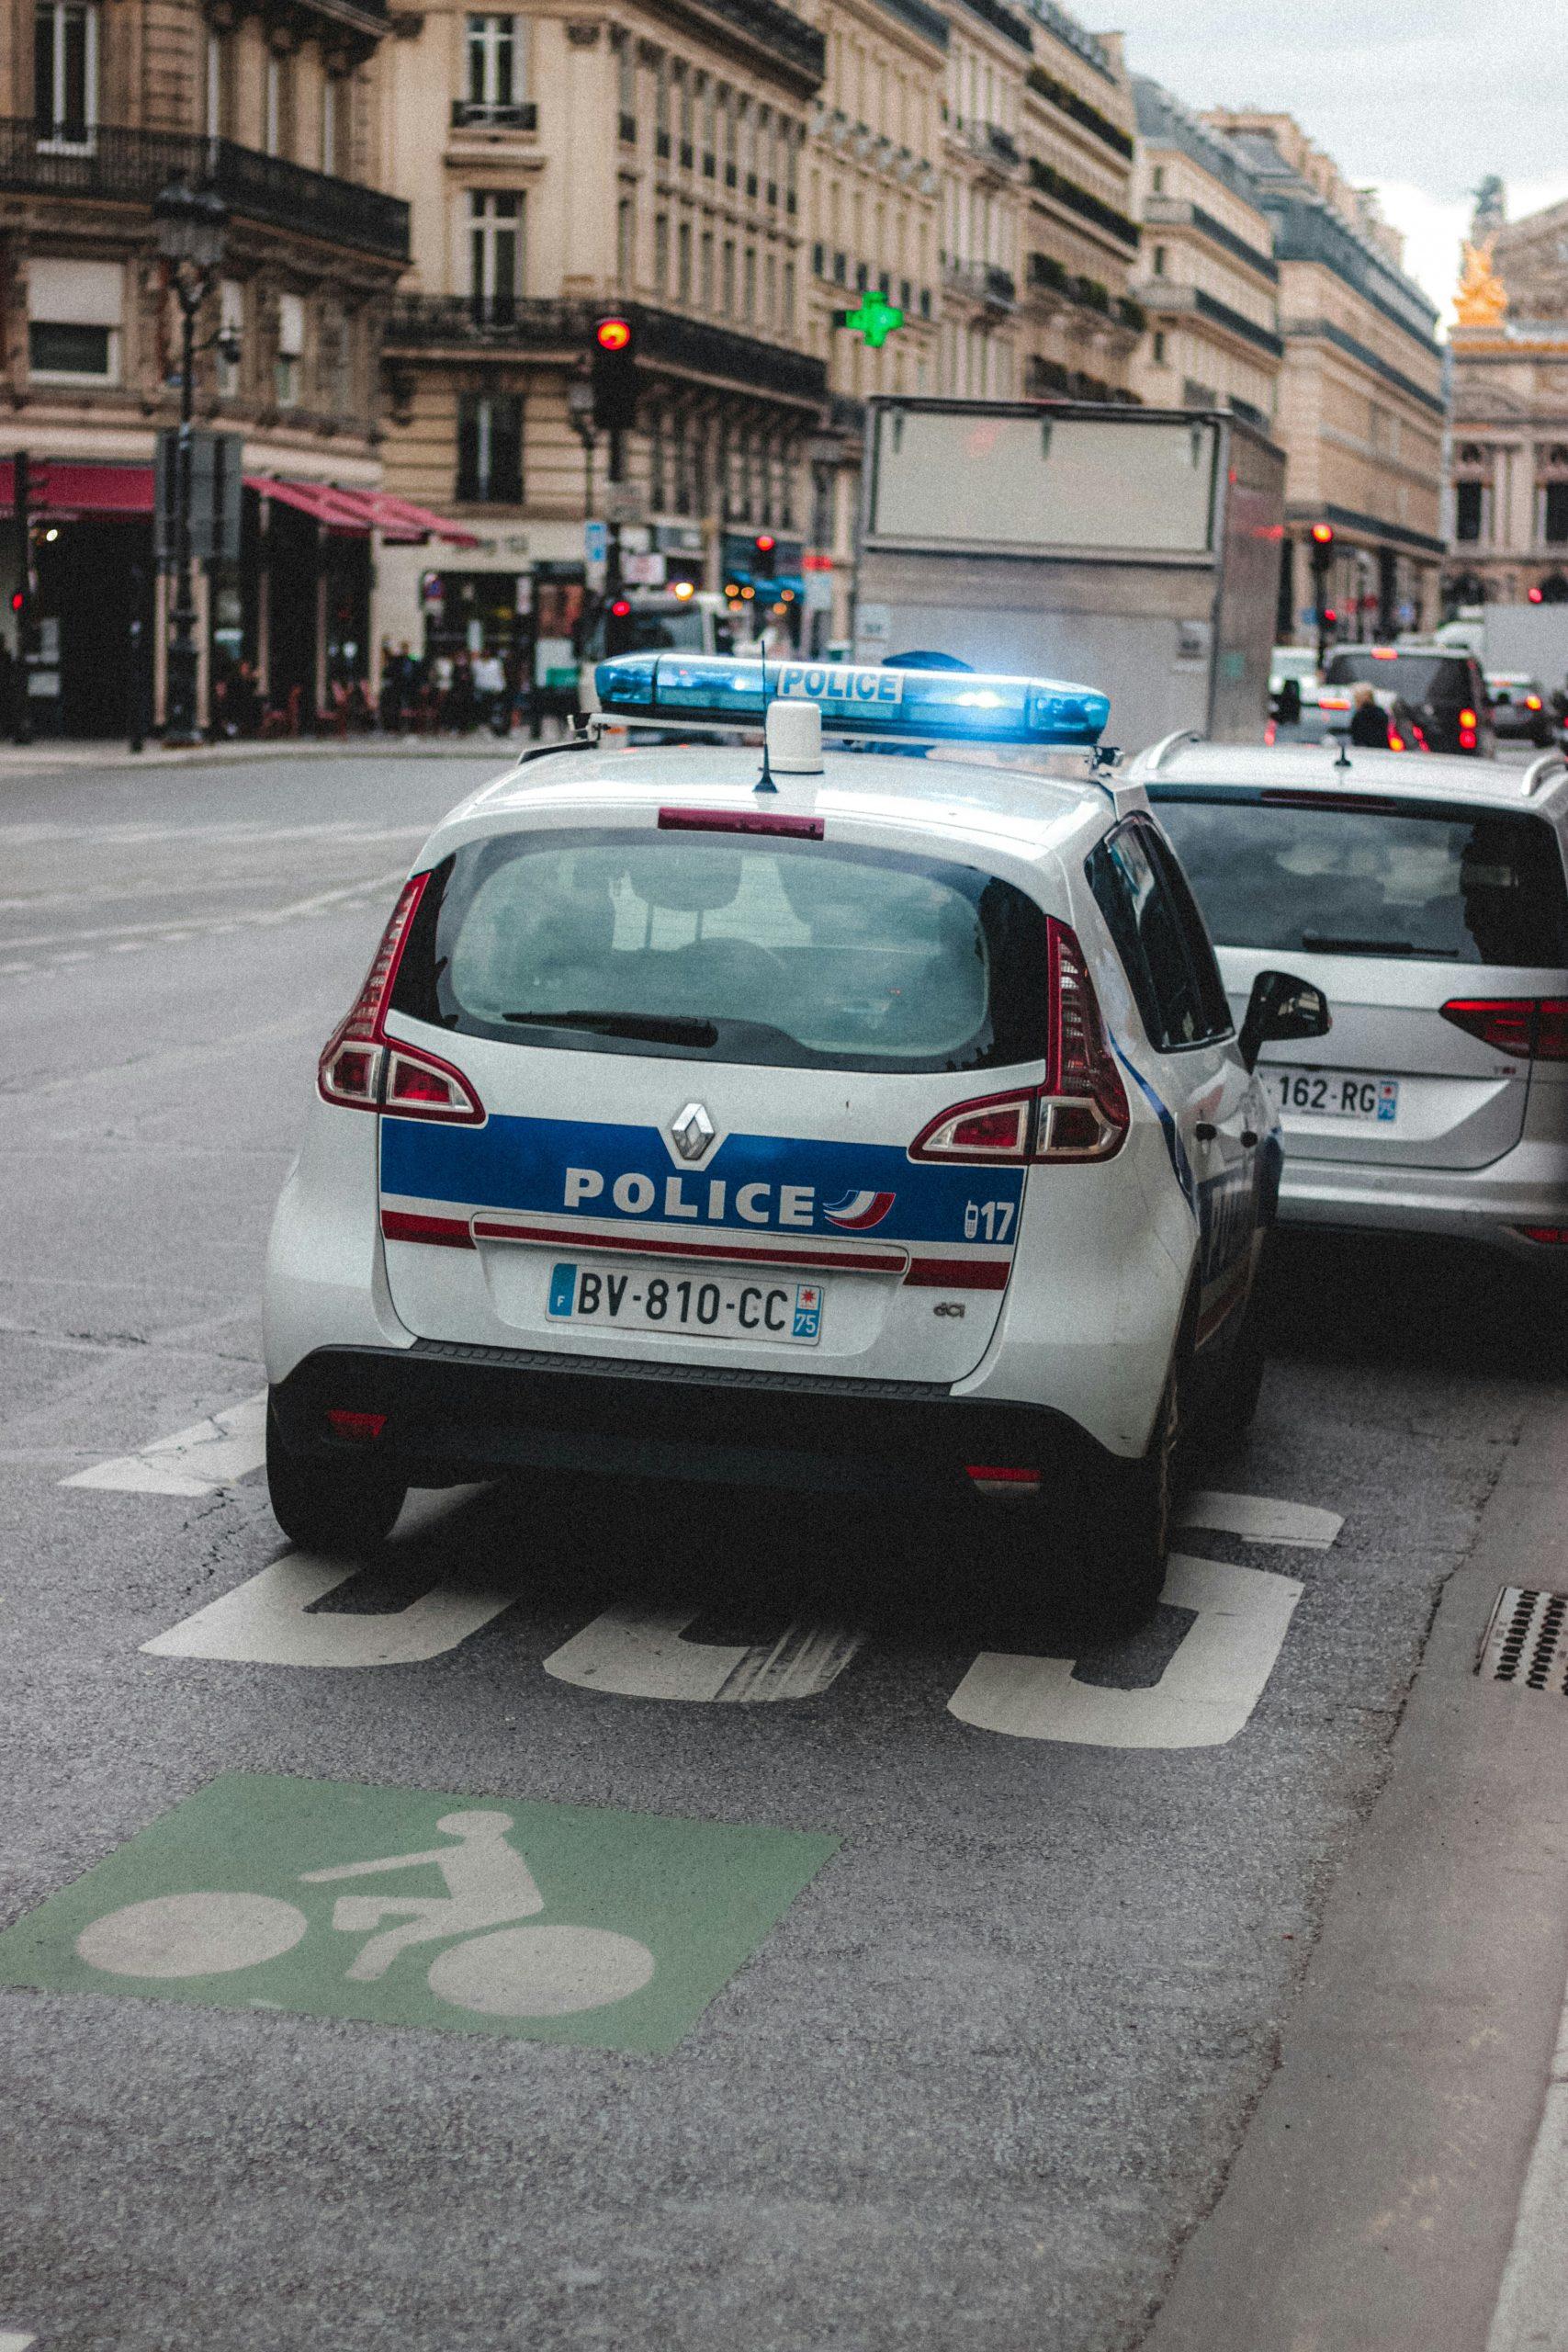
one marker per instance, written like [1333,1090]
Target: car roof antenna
[765,781]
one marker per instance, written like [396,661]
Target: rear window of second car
[1451,885]
[1415,677]
[802,954]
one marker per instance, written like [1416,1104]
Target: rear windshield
[677,631]
[1415,677]
[1450,885]
[799,954]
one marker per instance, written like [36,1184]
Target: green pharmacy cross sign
[875,320]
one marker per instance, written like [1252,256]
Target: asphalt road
[966,2062]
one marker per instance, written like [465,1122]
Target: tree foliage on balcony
[1111,134]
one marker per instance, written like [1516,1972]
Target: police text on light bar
[957,705]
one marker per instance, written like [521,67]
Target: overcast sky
[1417,98]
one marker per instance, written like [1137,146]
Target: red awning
[340,510]
[59,489]
[361,510]
[399,518]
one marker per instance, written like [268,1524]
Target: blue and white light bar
[946,706]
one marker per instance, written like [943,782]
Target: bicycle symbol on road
[494,1968]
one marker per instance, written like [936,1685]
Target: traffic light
[614,364]
[764,556]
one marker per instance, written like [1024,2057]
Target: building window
[74,311]
[1157,183]
[65,63]
[749,285]
[330,88]
[493,77]
[788,320]
[490,448]
[276,105]
[1554,513]
[289,364]
[219,81]
[683,262]
[1159,261]
[727,279]
[1470,509]
[1159,346]
[770,290]
[231,321]
[704,271]
[661,253]
[626,82]
[625,241]
[495,238]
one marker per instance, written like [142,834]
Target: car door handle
[1205,1131]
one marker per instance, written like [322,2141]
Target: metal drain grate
[1525,1639]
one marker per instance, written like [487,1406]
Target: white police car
[841,1123]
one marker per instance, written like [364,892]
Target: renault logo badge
[693,1131]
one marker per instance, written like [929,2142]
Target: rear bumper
[458,1413]
[1527,1186]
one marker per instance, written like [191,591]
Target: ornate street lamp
[192,231]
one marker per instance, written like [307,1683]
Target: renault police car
[767,1114]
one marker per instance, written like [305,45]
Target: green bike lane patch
[420,1907]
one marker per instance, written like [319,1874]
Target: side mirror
[1282,1007]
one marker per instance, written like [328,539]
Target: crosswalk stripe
[210,1455]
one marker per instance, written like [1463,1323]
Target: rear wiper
[1318,942]
[651,1028]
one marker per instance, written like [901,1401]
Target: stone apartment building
[276,106]
[647,159]
[1360,408]
[1508,491]
[1210,283]
[737,176]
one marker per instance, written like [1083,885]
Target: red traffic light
[620,608]
[1322,532]
[1331,615]
[612,335]
[1535,596]
[765,543]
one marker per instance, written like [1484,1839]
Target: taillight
[1079,1113]
[1530,1028]
[1467,719]
[1397,743]
[1554,1235]
[360,1429]
[1532,702]
[360,1070]
[1467,739]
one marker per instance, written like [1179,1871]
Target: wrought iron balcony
[467,323]
[114,166]
[478,114]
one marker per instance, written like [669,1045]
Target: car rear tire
[345,1508]
[1115,1537]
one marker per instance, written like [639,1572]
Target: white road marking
[1532,2313]
[1262,1522]
[638,1653]
[264,1623]
[1204,1698]
[216,1452]
[11,2342]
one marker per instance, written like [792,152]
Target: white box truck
[1529,640]
[1130,548]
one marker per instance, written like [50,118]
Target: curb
[1374,2198]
